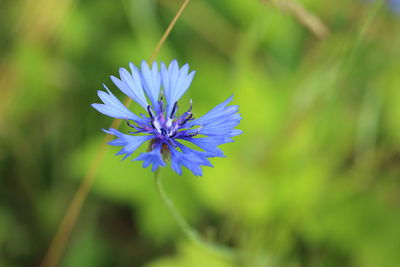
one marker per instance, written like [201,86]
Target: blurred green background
[313,181]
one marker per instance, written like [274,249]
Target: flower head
[162,127]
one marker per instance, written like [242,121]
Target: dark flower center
[165,126]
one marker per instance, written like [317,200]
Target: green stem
[191,234]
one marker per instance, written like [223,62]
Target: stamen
[151,116]
[186,119]
[197,132]
[130,124]
[169,123]
[156,125]
[190,108]
[187,115]
[150,112]
[173,110]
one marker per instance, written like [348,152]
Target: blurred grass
[313,181]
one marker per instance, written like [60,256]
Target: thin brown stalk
[196,19]
[168,31]
[68,222]
[303,16]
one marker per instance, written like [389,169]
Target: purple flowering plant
[158,90]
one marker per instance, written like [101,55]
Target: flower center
[167,125]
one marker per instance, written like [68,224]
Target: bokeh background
[313,181]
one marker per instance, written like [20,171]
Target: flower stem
[216,249]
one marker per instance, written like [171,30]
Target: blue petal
[189,160]
[153,157]
[113,107]
[175,82]
[209,144]
[129,143]
[224,128]
[151,81]
[220,121]
[235,132]
[131,85]
[201,156]
[219,112]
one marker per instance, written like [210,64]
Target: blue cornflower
[162,127]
